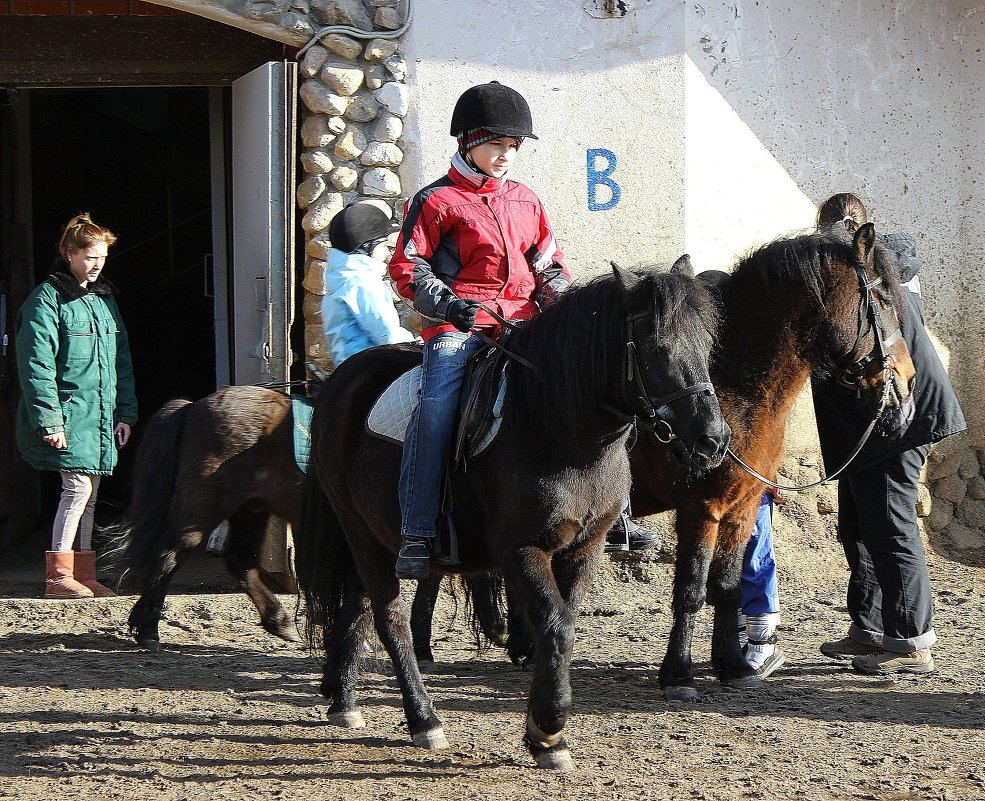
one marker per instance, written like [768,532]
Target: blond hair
[80,233]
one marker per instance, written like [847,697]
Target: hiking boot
[764,660]
[847,648]
[628,535]
[885,663]
[414,559]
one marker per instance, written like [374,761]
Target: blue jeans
[757,587]
[432,426]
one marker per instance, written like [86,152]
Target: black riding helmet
[495,107]
[357,225]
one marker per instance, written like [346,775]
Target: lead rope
[836,473]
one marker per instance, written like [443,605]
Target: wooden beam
[127,51]
[202,8]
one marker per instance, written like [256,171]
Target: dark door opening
[139,161]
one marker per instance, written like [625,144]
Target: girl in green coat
[77,403]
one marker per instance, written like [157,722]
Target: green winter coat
[73,361]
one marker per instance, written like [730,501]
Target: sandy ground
[226,711]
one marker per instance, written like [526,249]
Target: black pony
[537,504]
[813,306]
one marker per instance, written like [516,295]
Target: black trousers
[888,591]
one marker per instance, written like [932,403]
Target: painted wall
[727,122]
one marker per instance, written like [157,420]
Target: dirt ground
[226,711]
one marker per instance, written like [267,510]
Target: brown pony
[812,306]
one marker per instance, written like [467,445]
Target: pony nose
[710,450]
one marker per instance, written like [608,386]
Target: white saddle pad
[391,413]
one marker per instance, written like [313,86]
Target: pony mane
[761,281]
[578,344]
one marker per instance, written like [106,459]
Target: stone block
[344,178]
[320,214]
[316,131]
[344,46]
[310,190]
[317,97]
[342,79]
[396,97]
[969,465]
[350,145]
[941,514]
[363,108]
[379,49]
[947,466]
[976,488]
[380,182]
[342,12]
[314,277]
[965,537]
[381,154]
[317,162]
[312,61]
[952,488]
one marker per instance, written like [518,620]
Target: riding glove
[461,313]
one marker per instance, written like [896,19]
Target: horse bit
[852,374]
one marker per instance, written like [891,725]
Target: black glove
[461,313]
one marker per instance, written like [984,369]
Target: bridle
[650,410]
[644,409]
[850,376]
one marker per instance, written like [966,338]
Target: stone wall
[354,100]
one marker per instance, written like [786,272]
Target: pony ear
[683,266]
[626,279]
[863,243]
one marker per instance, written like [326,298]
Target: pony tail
[80,232]
[843,209]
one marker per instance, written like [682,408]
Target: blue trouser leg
[757,586]
[429,435]
[889,589]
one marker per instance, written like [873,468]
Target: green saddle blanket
[301,408]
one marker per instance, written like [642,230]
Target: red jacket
[471,236]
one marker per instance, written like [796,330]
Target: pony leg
[343,640]
[146,613]
[393,628]
[531,580]
[246,532]
[727,659]
[421,615]
[690,579]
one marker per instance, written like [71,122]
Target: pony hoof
[686,694]
[288,634]
[431,739]
[149,645]
[426,665]
[347,720]
[744,683]
[555,759]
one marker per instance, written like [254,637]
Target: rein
[879,349]
[651,407]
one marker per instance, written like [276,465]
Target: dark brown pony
[537,504]
[230,456]
[814,306]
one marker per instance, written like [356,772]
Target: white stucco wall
[591,84]
[730,121]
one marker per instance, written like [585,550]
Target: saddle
[480,408]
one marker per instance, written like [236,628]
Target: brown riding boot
[85,572]
[59,579]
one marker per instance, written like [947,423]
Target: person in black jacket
[889,596]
